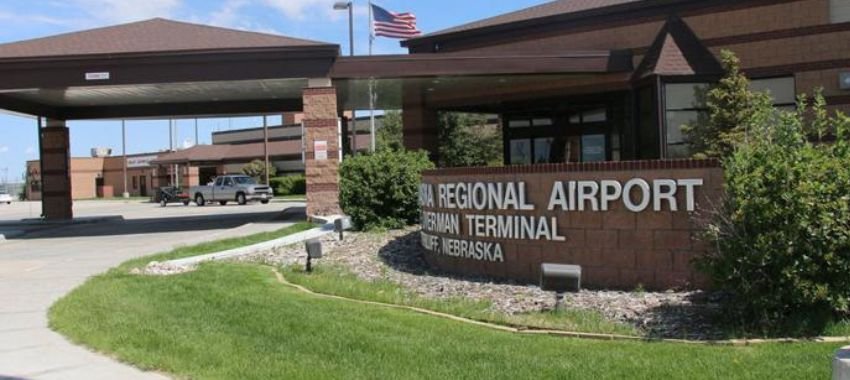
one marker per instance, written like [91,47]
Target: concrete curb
[326,228]
[84,220]
[10,234]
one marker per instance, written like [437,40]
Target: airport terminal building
[591,97]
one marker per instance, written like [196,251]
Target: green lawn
[229,321]
[340,282]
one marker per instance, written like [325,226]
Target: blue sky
[312,19]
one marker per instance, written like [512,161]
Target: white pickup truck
[232,188]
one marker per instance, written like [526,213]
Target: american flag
[393,25]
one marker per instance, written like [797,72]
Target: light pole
[341,6]
[348,5]
[126,193]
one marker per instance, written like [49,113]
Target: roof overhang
[463,79]
[232,81]
[466,64]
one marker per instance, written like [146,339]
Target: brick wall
[616,248]
[320,124]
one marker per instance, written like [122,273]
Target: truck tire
[163,203]
[200,201]
[241,200]
[223,203]
[264,202]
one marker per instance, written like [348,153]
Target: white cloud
[301,9]
[4,149]
[120,11]
[30,151]
[229,14]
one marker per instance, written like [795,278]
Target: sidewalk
[34,273]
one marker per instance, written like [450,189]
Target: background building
[102,175]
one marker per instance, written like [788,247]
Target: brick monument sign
[625,223]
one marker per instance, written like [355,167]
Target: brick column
[56,201]
[419,122]
[320,125]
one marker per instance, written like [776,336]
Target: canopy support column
[321,135]
[56,199]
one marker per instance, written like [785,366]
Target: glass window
[519,123]
[575,118]
[780,89]
[245,180]
[685,105]
[677,146]
[541,122]
[521,152]
[839,11]
[543,150]
[592,148]
[594,116]
[648,131]
[684,96]
[219,181]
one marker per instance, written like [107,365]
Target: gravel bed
[397,256]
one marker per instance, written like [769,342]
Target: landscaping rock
[397,256]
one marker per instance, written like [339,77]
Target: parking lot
[47,261]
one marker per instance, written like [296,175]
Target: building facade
[637,112]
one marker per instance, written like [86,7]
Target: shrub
[381,190]
[782,236]
[257,170]
[289,185]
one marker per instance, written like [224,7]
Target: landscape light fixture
[314,251]
[560,278]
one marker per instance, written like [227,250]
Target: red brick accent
[56,178]
[320,124]
[616,248]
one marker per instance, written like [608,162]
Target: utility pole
[197,142]
[266,146]
[124,154]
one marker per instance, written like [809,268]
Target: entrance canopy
[447,79]
[159,68]
[163,68]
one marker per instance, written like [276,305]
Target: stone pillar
[420,130]
[321,131]
[56,202]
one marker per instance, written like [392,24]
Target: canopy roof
[159,68]
[151,36]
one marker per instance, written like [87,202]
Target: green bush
[381,190]
[782,235]
[289,185]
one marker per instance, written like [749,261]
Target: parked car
[232,188]
[6,198]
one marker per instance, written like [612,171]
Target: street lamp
[348,5]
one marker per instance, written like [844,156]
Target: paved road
[42,266]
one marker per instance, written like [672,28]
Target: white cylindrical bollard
[841,364]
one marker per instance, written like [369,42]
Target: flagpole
[371,81]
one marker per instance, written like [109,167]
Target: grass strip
[227,321]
